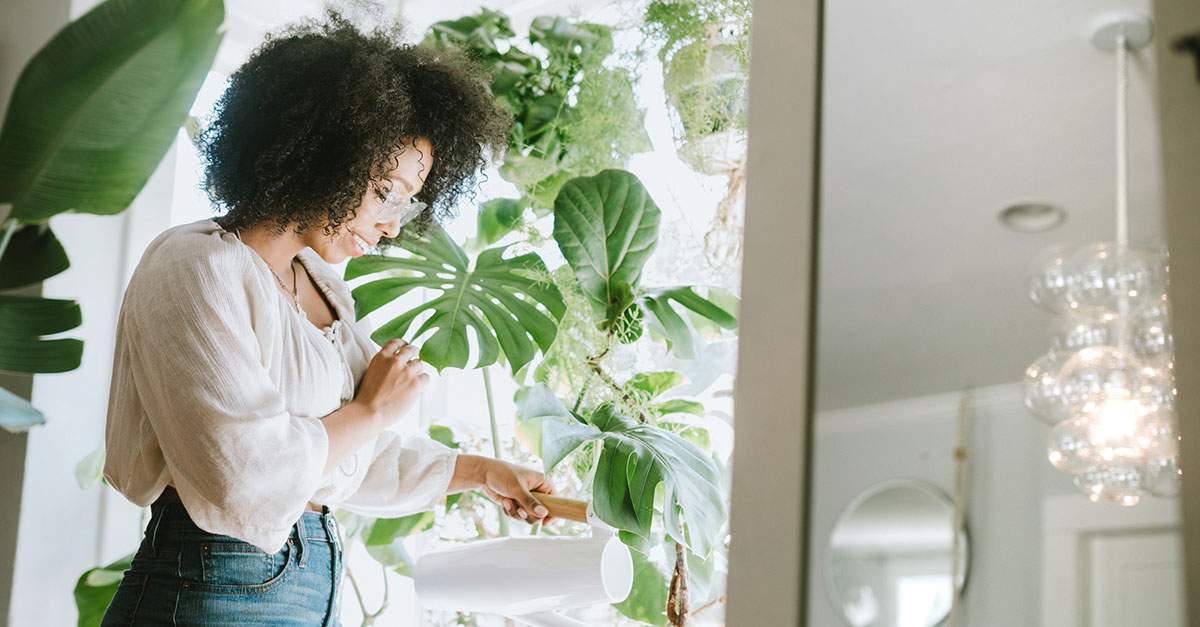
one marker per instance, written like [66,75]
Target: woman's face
[354,236]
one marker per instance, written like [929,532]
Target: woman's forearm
[468,474]
[348,429]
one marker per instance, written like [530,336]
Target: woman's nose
[391,227]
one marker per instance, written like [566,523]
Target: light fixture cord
[1122,185]
[1122,144]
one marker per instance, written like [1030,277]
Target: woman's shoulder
[199,254]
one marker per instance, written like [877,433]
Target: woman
[245,399]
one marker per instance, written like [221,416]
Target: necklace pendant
[300,310]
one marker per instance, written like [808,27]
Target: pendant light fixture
[1107,382]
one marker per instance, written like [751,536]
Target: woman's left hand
[507,484]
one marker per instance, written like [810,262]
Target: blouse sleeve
[242,464]
[407,475]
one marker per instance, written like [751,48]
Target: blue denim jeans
[183,575]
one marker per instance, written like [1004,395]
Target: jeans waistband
[311,525]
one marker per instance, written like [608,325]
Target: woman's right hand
[392,381]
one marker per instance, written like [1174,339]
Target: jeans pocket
[231,565]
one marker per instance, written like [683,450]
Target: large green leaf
[506,301]
[23,320]
[95,590]
[95,110]
[33,254]
[647,600]
[16,414]
[606,226]
[637,458]
[680,335]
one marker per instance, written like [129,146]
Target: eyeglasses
[397,204]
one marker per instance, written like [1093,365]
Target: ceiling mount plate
[1137,28]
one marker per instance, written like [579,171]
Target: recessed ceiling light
[1032,217]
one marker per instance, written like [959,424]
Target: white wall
[915,438]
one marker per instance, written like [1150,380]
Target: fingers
[528,508]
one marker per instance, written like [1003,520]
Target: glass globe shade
[1100,378]
[1041,390]
[1164,479]
[1083,327]
[1122,484]
[1048,282]
[1104,275]
[1148,329]
[1069,447]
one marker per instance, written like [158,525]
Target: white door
[1136,579]
[1109,566]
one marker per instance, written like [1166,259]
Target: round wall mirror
[890,557]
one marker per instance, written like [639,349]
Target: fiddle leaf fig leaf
[606,227]
[505,301]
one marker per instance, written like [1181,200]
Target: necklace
[294,292]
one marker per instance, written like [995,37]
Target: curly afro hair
[320,110]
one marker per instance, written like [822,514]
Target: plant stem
[677,597]
[368,619]
[713,603]
[487,387]
[632,402]
[582,392]
[10,227]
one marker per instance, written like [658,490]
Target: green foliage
[95,589]
[90,117]
[572,113]
[33,254]
[647,601]
[678,333]
[510,310]
[16,414]
[606,226]
[24,319]
[704,47]
[636,458]
[100,104]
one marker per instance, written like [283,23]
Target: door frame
[768,554]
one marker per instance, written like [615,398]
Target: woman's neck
[276,249]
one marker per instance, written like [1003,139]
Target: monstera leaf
[606,226]
[506,301]
[99,105]
[679,334]
[635,459]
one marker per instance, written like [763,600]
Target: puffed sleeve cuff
[406,476]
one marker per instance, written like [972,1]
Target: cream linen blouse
[219,386]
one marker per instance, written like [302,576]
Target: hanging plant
[573,107]
[704,49]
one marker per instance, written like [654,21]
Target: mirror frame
[878,488]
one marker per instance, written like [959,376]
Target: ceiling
[936,115]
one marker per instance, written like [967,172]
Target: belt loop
[301,540]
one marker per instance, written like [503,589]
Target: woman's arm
[389,387]
[507,484]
